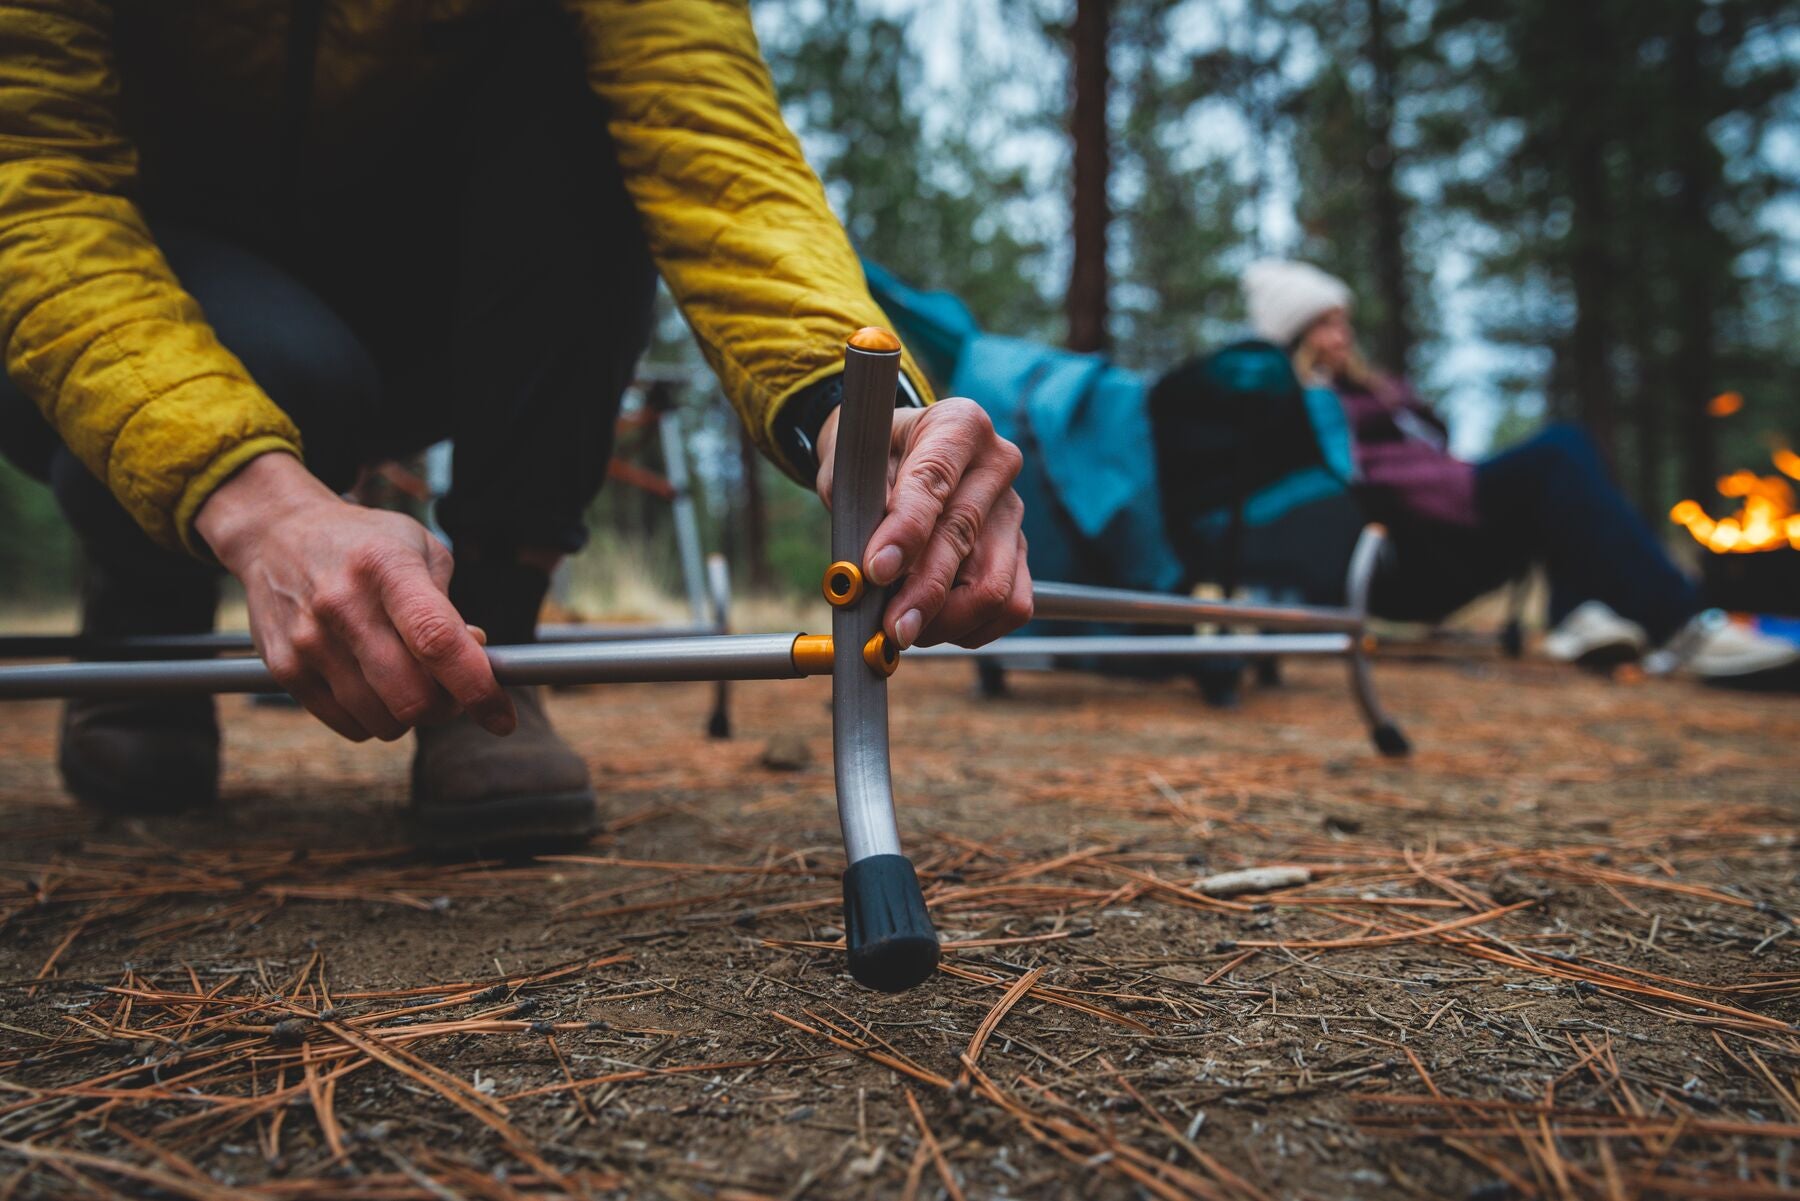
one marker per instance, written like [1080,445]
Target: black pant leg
[553,302]
[1554,492]
[1437,569]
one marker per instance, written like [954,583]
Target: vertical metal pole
[892,945]
[1364,560]
[718,582]
[438,458]
[687,522]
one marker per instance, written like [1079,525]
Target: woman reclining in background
[1463,529]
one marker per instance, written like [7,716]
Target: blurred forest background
[1548,209]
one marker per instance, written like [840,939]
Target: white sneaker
[1594,636]
[1714,647]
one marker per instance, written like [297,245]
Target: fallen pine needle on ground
[1188,954]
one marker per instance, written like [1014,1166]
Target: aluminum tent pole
[1365,560]
[1172,646]
[1077,602]
[892,945]
[718,585]
[687,520]
[656,660]
[226,642]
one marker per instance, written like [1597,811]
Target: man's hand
[952,527]
[348,605]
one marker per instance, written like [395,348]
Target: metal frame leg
[1364,560]
[718,582]
[892,945]
[1512,634]
[687,520]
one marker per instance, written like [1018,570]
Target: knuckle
[371,560]
[435,637]
[285,666]
[335,603]
[934,475]
[963,411]
[1009,457]
[990,594]
[308,641]
[961,526]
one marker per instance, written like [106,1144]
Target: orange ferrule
[812,654]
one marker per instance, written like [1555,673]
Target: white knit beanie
[1284,297]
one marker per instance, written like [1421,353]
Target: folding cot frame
[705,578]
[890,940]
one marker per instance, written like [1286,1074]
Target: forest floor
[1548,956]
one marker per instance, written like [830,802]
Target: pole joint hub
[843,584]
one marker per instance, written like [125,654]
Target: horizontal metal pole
[1152,646]
[715,657]
[1076,602]
[156,646]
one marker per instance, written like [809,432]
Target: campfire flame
[1767,518]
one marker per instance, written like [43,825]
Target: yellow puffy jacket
[97,330]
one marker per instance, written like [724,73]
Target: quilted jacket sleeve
[95,327]
[736,220]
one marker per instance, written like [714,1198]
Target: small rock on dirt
[786,752]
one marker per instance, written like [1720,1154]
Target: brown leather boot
[145,756]
[474,793]
[141,757]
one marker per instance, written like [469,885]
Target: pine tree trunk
[1394,336]
[1086,302]
[1692,372]
[1590,271]
[1647,416]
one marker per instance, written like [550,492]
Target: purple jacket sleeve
[1405,472]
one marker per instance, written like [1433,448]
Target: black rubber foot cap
[1220,682]
[892,943]
[1390,741]
[719,724]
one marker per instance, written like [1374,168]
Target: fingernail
[500,724]
[907,628]
[884,565]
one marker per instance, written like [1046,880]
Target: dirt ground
[1549,956]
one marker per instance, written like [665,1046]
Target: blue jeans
[490,284]
[1548,501]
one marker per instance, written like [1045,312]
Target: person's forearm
[265,490]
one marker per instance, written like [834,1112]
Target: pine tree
[1623,227]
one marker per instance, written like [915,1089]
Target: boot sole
[507,826]
[149,796]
